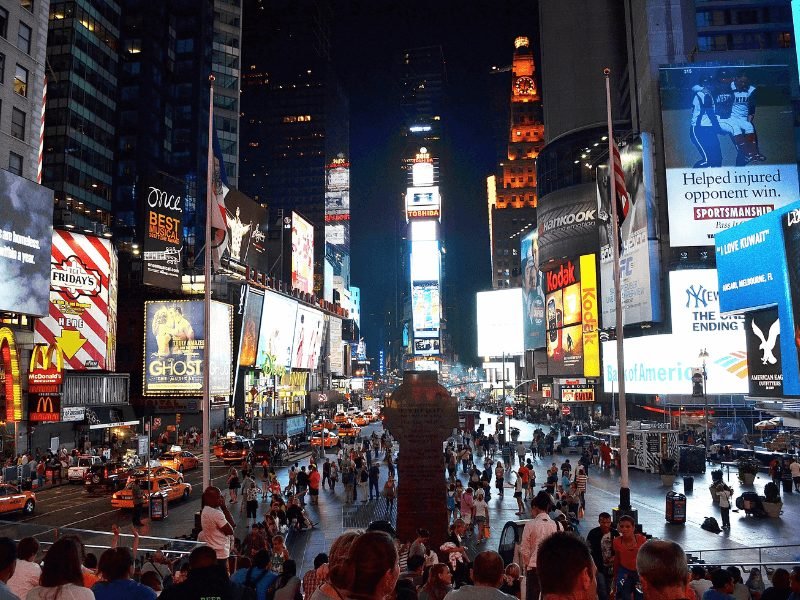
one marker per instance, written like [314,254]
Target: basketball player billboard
[247,231]
[728,146]
[639,255]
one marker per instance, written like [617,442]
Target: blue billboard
[755,271]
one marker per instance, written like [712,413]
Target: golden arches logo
[44,404]
[8,351]
[46,371]
[47,355]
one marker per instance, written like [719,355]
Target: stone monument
[421,415]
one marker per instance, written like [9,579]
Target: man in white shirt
[216,523]
[538,529]
[794,469]
[27,572]
[699,583]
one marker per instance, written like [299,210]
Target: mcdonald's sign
[44,407]
[46,371]
[8,353]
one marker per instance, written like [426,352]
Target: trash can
[158,507]
[788,485]
[688,484]
[675,508]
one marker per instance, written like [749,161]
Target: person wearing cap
[538,529]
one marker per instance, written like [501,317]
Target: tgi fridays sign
[83,294]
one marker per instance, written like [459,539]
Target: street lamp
[703,356]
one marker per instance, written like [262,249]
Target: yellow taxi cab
[325,438]
[172,488]
[321,424]
[340,418]
[13,499]
[360,420]
[178,459]
[349,430]
[371,416]
[155,473]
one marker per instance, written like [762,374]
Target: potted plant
[772,500]
[716,484]
[748,469]
[668,469]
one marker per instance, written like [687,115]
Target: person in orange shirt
[314,479]
[626,547]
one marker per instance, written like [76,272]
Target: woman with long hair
[373,567]
[62,578]
[335,586]
[287,587]
[439,583]
[116,571]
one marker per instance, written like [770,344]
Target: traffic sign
[509,410]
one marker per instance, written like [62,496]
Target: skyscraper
[512,206]
[22,69]
[295,112]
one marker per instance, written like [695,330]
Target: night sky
[474,36]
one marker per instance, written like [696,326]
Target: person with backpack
[259,577]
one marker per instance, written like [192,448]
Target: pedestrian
[115,569]
[363,483]
[27,571]
[662,569]
[467,512]
[61,574]
[521,451]
[599,540]
[326,473]
[374,475]
[626,546]
[349,481]
[314,479]
[724,493]
[233,485]
[794,468]
[301,485]
[581,481]
[525,475]
[390,492]
[216,524]
[565,570]
[518,494]
[334,478]
[251,492]
[138,503]
[480,511]
[537,530]
[439,583]
[499,477]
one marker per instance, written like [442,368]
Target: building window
[21,81]
[15,163]
[18,123]
[3,22]
[2,68]
[24,38]
[27,5]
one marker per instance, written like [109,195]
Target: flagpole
[206,408]
[624,489]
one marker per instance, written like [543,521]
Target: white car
[78,472]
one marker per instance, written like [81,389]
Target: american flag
[623,198]
[219,215]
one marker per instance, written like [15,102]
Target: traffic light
[697,383]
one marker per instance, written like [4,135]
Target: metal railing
[766,557]
[97,541]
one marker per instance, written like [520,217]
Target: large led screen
[425,261]
[694,295]
[174,347]
[499,316]
[425,308]
[423,202]
[251,326]
[532,292]
[728,146]
[335,348]
[663,364]
[276,333]
[26,229]
[82,300]
[639,254]
[302,254]
[758,263]
[163,203]
[247,231]
[220,349]
[309,329]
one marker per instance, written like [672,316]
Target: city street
[70,507]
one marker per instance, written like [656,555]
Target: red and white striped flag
[623,198]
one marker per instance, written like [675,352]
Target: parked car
[575,444]
[237,451]
[172,488]
[77,473]
[108,476]
[13,499]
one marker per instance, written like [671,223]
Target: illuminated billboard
[663,364]
[500,323]
[163,204]
[26,228]
[571,313]
[276,336]
[82,317]
[567,222]
[728,146]
[425,261]
[251,326]
[302,254]
[532,292]
[423,202]
[758,266]
[639,254]
[422,174]
[337,221]
[694,295]
[309,329]
[247,231]
[174,348]
[427,346]
[335,351]
[425,308]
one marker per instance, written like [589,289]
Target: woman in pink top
[468,508]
